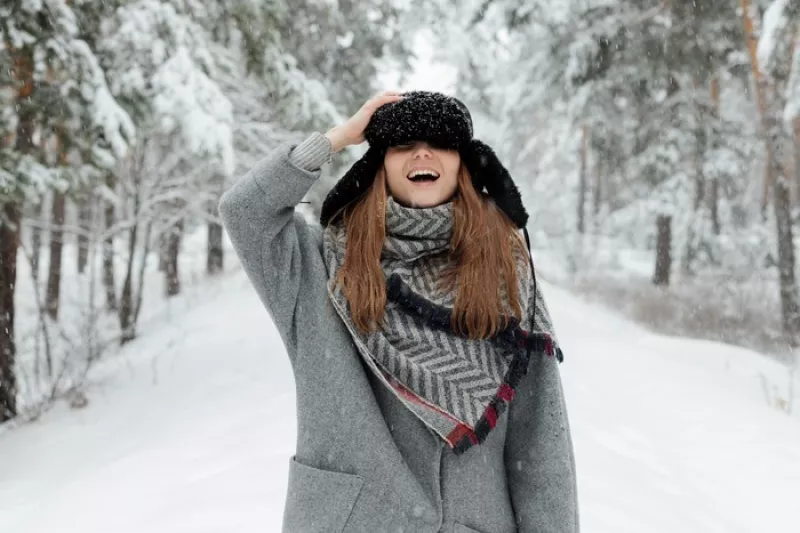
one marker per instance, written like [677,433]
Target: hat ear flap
[353,184]
[488,172]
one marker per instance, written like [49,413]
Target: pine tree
[54,77]
[776,51]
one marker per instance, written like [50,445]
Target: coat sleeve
[539,456]
[272,241]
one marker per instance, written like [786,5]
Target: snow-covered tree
[638,78]
[130,117]
[781,105]
[161,66]
[54,79]
[611,113]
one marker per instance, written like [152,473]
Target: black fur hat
[444,122]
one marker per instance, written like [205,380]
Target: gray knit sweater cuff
[312,153]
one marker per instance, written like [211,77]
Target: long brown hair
[483,249]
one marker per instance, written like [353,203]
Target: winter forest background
[656,142]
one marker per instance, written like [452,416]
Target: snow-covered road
[191,430]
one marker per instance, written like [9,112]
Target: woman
[428,389]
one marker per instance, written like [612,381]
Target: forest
[656,143]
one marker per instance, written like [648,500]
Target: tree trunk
[786,261]
[9,240]
[215,253]
[108,252]
[597,193]
[163,254]
[10,217]
[142,267]
[772,93]
[713,185]
[84,206]
[128,308]
[796,161]
[173,247]
[583,181]
[699,153]
[36,239]
[751,40]
[663,250]
[214,259]
[126,304]
[790,312]
[713,200]
[52,296]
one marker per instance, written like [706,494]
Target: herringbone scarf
[446,380]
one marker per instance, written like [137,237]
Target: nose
[422,149]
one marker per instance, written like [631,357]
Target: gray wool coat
[364,463]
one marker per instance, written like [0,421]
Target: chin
[423,200]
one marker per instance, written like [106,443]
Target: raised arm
[272,241]
[278,250]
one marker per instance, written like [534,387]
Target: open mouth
[423,175]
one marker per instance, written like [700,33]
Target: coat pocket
[460,528]
[319,501]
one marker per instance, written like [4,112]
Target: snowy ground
[76,323]
[191,428]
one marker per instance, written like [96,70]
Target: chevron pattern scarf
[455,385]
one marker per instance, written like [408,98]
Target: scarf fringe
[512,338]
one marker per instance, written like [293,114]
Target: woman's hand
[352,131]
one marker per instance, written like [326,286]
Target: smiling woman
[428,388]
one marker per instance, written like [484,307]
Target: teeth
[416,173]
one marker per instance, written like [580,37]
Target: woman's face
[419,175]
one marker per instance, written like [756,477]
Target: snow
[792,110]
[117,126]
[161,57]
[190,429]
[189,102]
[186,432]
[774,23]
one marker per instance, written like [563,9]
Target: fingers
[386,96]
[392,96]
[372,105]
